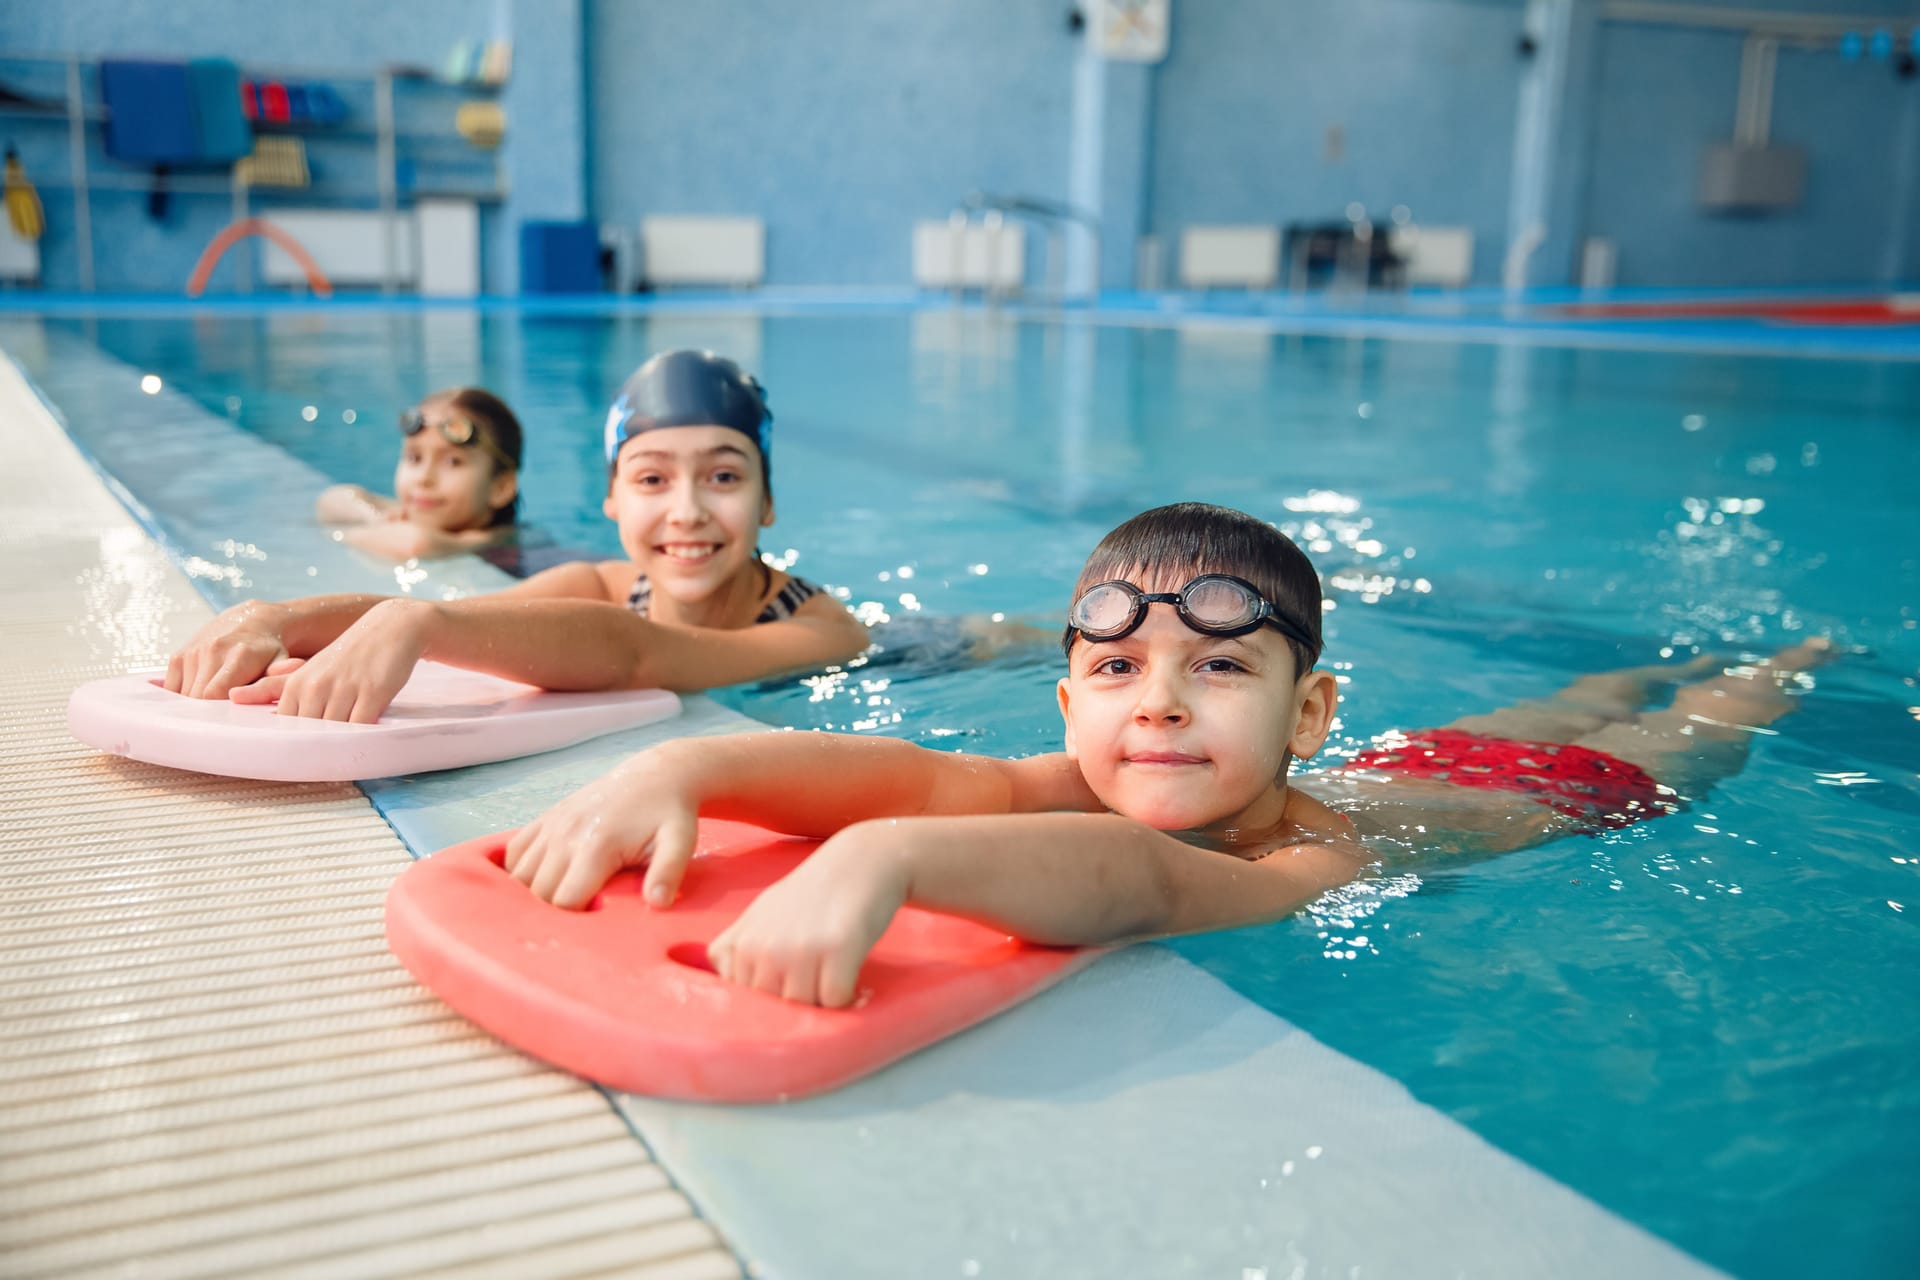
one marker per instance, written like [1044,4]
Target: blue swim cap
[690,389]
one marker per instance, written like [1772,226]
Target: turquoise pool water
[1706,1023]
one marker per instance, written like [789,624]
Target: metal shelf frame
[388,140]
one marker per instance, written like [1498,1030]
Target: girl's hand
[232,650]
[267,688]
[805,937]
[643,813]
[356,677]
[351,504]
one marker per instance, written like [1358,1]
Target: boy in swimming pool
[1191,689]
[692,606]
[456,487]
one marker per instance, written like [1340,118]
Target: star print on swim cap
[689,389]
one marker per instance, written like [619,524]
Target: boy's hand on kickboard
[628,818]
[805,937]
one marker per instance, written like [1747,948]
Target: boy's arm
[807,784]
[1062,879]
[1069,879]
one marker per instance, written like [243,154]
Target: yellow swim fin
[24,213]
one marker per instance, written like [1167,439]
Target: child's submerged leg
[1703,736]
[1586,706]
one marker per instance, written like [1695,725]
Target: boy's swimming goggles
[1214,604]
[454,430]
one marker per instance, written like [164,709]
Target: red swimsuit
[1589,785]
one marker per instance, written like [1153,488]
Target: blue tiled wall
[838,122]
[841,122]
[548,151]
[1663,96]
[1423,92]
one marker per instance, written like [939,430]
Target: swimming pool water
[1706,1023]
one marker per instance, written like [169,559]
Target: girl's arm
[1061,879]
[564,644]
[235,649]
[402,540]
[579,644]
[351,504]
[808,784]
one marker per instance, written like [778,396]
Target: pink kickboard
[443,718]
[622,994]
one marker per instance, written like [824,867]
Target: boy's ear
[1316,698]
[607,508]
[766,513]
[1066,696]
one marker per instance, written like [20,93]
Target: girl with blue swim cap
[693,605]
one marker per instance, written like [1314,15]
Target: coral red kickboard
[621,993]
[443,718]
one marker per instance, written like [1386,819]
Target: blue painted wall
[345,33]
[839,122]
[547,157]
[1425,92]
[1663,96]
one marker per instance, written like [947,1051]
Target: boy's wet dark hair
[1173,544]
[491,414]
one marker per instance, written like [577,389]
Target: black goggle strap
[1294,632]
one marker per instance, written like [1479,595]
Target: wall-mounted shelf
[402,113]
[56,114]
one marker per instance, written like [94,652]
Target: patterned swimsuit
[782,606]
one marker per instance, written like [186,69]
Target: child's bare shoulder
[1314,820]
[617,578]
[1050,783]
[1314,841]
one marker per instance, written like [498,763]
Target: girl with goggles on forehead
[1191,689]
[456,487]
[691,606]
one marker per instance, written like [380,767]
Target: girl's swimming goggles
[454,430]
